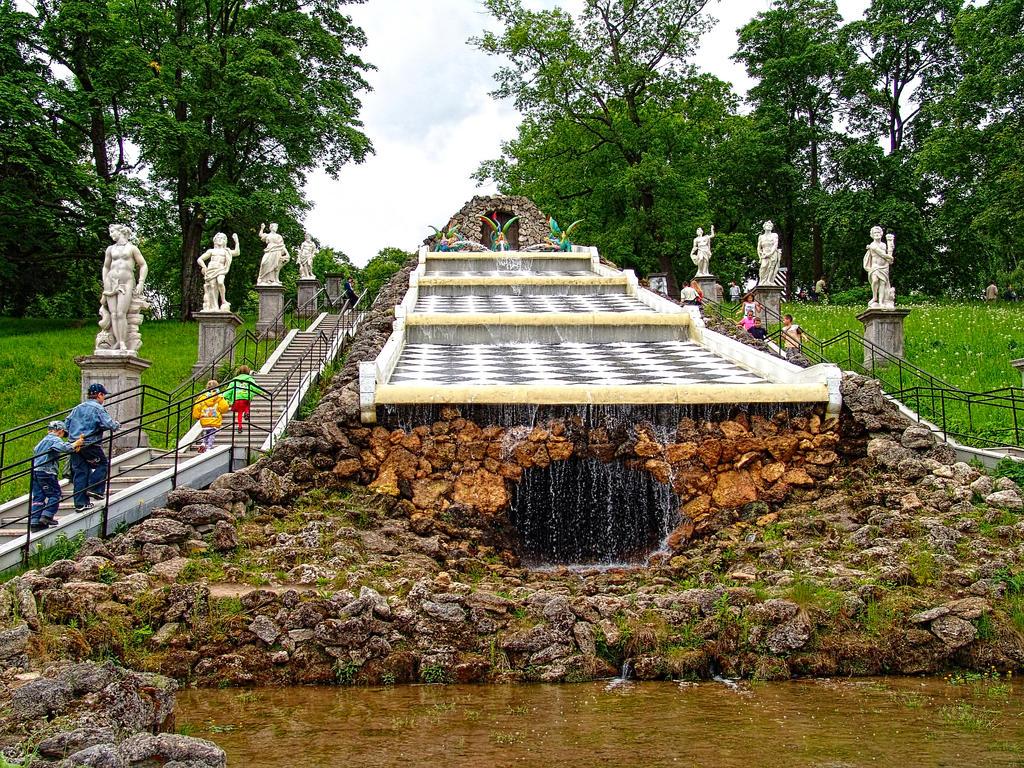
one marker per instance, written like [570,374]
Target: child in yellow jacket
[209,409]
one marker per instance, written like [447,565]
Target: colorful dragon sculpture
[499,240]
[558,238]
[448,239]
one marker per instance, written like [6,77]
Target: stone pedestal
[307,302]
[333,283]
[118,373]
[269,320]
[770,299]
[884,329]
[1019,365]
[216,333]
[707,285]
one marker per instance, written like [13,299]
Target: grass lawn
[38,375]
[966,345]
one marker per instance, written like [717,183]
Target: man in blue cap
[89,465]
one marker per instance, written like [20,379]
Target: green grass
[38,372]
[969,345]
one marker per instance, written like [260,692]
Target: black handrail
[956,412]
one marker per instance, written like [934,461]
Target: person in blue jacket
[45,470]
[89,464]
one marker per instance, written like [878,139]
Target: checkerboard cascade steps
[674,363]
[562,329]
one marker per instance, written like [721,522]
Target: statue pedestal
[216,333]
[307,302]
[707,285]
[884,329]
[118,373]
[1019,365]
[770,299]
[269,321]
[333,282]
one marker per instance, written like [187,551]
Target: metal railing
[159,425]
[990,419]
[172,418]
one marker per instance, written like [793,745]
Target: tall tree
[795,53]
[246,97]
[973,154]
[602,87]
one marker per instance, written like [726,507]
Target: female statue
[215,264]
[700,254]
[877,259]
[120,288]
[275,256]
[769,254]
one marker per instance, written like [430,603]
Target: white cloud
[432,121]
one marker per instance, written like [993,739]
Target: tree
[601,91]
[246,97]
[795,53]
[973,154]
[48,207]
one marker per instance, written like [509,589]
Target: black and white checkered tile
[622,363]
[536,303]
[439,272]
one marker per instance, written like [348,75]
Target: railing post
[28,517]
[106,483]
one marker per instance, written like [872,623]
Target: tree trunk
[817,245]
[664,254]
[788,238]
[191,278]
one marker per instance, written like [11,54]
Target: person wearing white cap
[45,463]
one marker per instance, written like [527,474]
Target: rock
[139,701]
[160,530]
[158,553]
[93,547]
[225,537]
[143,750]
[129,588]
[772,611]
[40,698]
[203,514]
[734,489]
[930,615]
[265,629]
[169,570]
[790,636]
[969,608]
[104,755]
[954,632]
[917,437]
[380,606]
[1006,484]
[482,490]
[69,742]
[59,569]
[536,638]
[911,469]
[14,641]
[983,486]
[450,612]
[1009,499]
[164,635]
[585,638]
[349,633]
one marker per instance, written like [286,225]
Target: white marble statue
[700,254]
[122,301]
[304,258]
[275,256]
[770,255]
[877,260]
[215,264]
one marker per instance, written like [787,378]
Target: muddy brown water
[821,723]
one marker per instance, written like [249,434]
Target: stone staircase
[141,477]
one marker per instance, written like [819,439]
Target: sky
[432,121]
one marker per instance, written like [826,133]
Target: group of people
[992,292]
[210,405]
[88,463]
